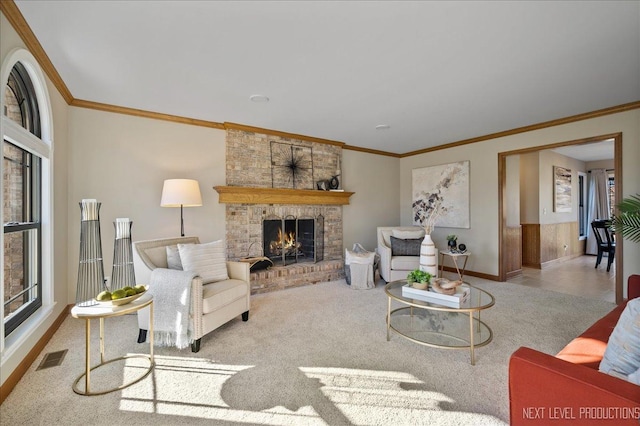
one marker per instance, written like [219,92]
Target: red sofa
[568,388]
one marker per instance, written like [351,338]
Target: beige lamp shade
[181,193]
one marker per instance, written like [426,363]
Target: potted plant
[419,279]
[628,221]
[452,241]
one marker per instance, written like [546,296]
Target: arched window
[26,192]
[21,103]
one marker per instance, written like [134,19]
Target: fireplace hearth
[287,240]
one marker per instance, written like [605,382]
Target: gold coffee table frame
[477,301]
[107,311]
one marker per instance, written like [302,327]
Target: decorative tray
[122,301]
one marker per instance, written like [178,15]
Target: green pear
[102,296]
[118,294]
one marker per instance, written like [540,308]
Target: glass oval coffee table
[439,326]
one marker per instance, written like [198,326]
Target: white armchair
[392,267]
[213,304]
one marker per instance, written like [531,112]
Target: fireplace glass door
[292,240]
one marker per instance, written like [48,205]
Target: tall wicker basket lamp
[122,272]
[90,269]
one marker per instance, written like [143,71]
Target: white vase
[428,256]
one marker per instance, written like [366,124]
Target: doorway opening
[511,237]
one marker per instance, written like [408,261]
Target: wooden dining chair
[606,241]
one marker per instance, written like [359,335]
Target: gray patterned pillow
[405,247]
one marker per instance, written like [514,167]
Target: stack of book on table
[454,300]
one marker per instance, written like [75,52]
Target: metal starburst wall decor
[291,166]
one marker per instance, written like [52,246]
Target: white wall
[122,161]
[512,190]
[61,198]
[537,187]
[600,164]
[375,179]
[548,159]
[529,184]
[482,237]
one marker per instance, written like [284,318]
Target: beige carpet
[314,355]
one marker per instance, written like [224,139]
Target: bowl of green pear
[121,296]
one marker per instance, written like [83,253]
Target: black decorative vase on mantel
[334,183]
[452,244]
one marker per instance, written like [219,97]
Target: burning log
[286,244]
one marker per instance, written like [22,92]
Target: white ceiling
[596,151]
[435,72]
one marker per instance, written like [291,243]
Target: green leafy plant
[418,276]
[452,237]
[628,221]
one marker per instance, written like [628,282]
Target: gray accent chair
[214,304]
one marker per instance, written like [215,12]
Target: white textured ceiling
[604,150]
[436,72]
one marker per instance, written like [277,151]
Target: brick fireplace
[249,169]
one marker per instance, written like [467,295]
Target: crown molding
[143,113]
[566,120]
[371,151]
[251,129]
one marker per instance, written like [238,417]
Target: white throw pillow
[173,258]
[408,235]
[208,260]
[622,355]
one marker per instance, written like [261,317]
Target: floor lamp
[181,193]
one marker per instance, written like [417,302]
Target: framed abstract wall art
[561,189]
[442,191]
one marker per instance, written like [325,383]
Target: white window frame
[43,147]
[585,213]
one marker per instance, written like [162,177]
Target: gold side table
[454,257]
[101,312]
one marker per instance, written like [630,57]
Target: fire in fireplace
[291,239]
[285,244]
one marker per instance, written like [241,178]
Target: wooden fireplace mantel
[250,195]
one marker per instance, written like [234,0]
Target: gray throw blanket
[171,290]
